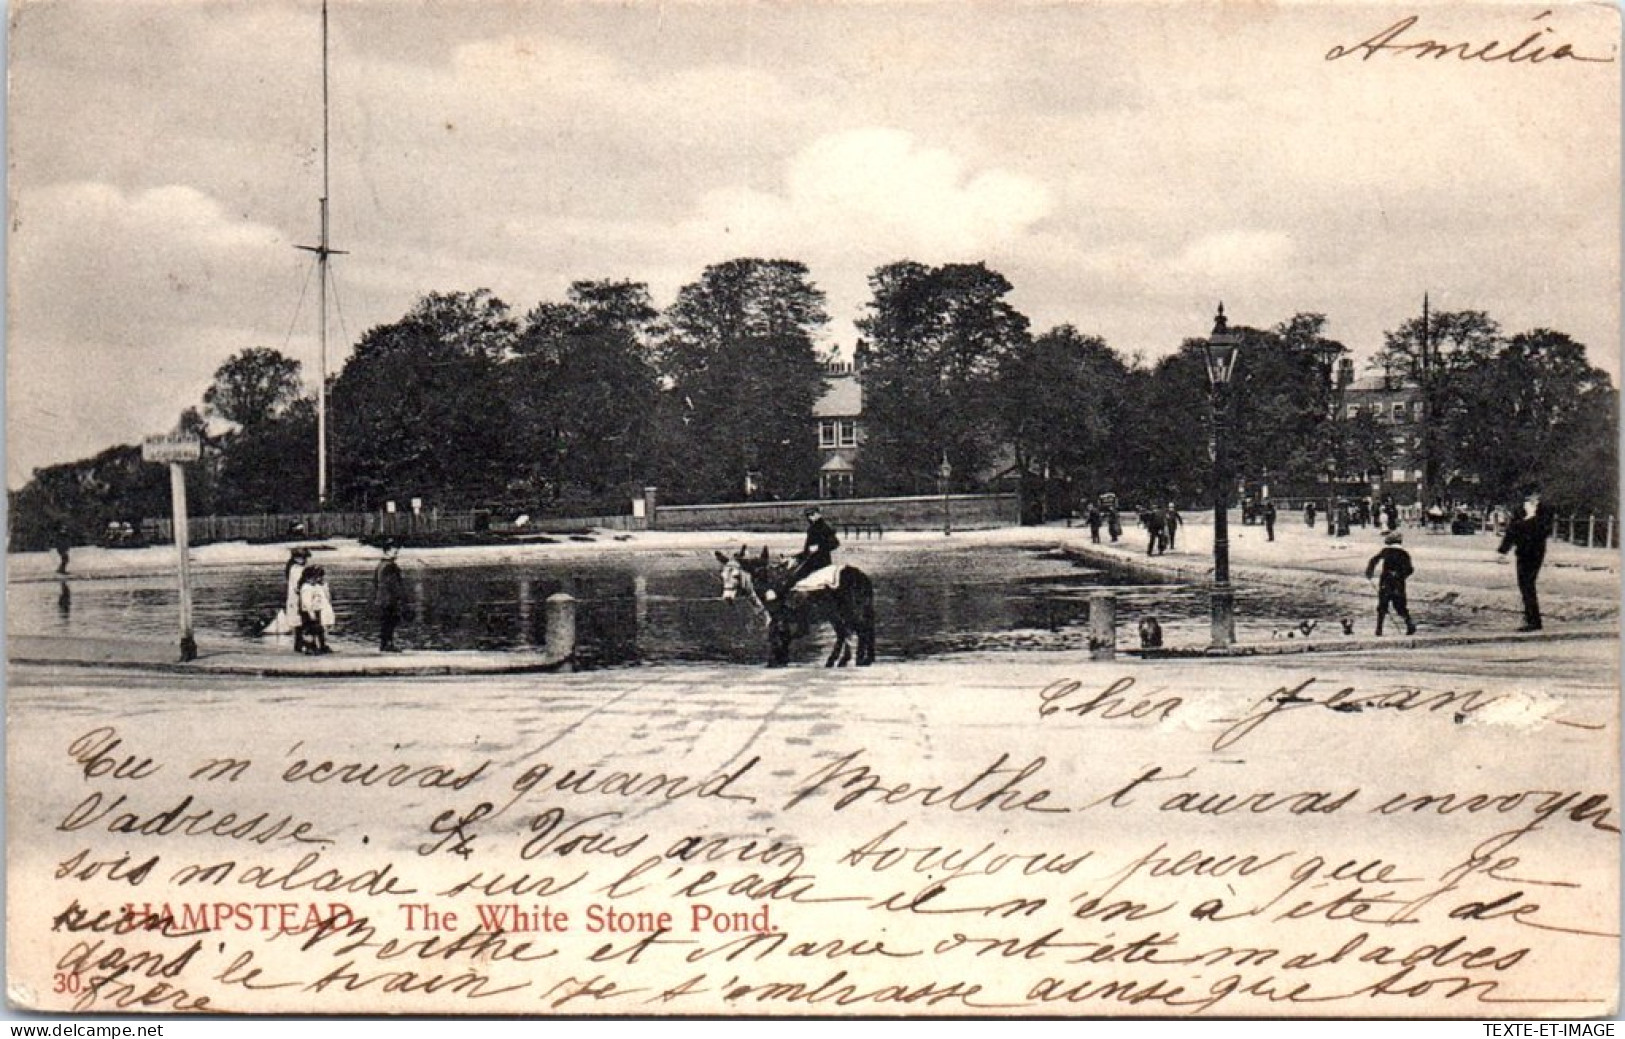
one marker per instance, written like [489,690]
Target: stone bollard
[560,642]
[1103,626]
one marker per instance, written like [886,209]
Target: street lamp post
[1329,352]
[1221,349]
[945,472]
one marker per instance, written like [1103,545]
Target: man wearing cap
[817,553]
[389,592]
[1396,568]
[1526,535]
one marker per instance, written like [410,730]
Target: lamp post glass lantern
[1221,350]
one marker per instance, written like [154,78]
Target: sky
[1127,166]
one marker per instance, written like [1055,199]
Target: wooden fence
[924,512]
[875,515]
[283,526]
[1591,531]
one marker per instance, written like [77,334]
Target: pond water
[665,606]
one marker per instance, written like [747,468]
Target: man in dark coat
[1396,569]
[1269,518]
[1094,520]
[389,590]
[1151,520]
[64,544]
[818,552]
[1171,522]
[1526,536]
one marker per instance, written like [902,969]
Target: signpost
[176,449]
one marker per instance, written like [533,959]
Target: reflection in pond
[665,606]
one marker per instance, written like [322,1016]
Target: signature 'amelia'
[1532,49]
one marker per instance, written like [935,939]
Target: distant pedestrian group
[1162,527]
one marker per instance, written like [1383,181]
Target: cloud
[878,191]
[123,303]
[1238,257]
[101,265]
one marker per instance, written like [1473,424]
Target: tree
[583,392]
[1162,437]
[743,374]
[936,341]
[418,410]
[1059,397]
[115,485]
[270,466]
[1285,424]
[470,324]
[253,387]
[1436,354]
[1537,409]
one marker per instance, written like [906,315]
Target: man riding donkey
[815,567]
[790,599]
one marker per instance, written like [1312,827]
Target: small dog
[1348,625]
[1150,633]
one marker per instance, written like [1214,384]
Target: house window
[827,433]
[849,432]
[835,485]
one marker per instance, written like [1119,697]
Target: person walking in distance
[1269,518]
[1151,519]
[1171,522]
[1396,569]
[1526,535]
[389,593]
[63,544]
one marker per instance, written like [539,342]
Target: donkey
[849,607]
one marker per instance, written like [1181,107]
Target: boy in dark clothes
[1396,567]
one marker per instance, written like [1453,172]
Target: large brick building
[1395,402]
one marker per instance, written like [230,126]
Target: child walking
[315,609]
[1396,568]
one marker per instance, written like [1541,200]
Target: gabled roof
[837,463]
[843,398]
[1381,384]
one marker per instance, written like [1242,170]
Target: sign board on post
[173,449]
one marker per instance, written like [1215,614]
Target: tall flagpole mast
[1426,386]
[323,252]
